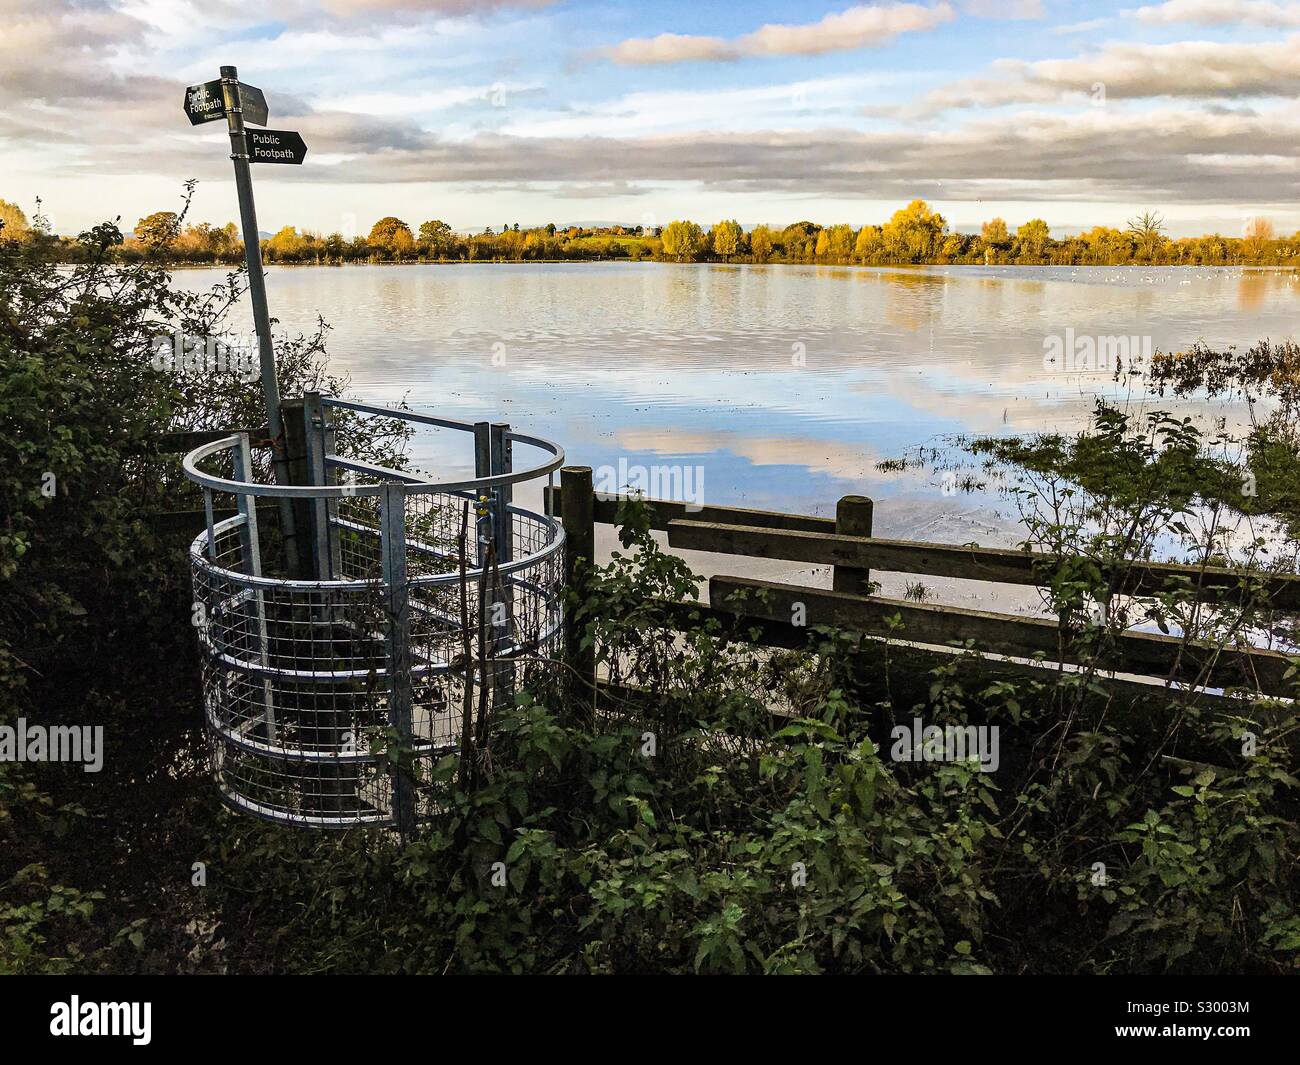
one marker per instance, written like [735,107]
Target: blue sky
[483,112]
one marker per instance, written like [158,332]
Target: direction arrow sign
[253,103]
[206,103]
[275,146]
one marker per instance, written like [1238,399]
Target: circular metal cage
[339,663]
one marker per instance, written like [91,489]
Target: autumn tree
[727,238]
[683,241]
[799,240]
[1147,228]
[1257,233]
[1033,237]
[393,236]
[158,231]
[914,234]
[12,218]
[954,246]
[868,245]
[437,236]
[334,247]
[760,244]
[835,243]
[994,231]
[205,240]
[286,244]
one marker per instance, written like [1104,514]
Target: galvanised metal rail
[329,692]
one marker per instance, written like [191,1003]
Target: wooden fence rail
[781,609]
[798,538]
[1144,653]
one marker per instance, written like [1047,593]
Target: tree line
[915,234]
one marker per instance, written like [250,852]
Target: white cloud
[1207,70]
[669,48]
[397,104]
[436,7]
[1004,9]
[1080,27]
[1264,13]
[863,26]
[1170,156]
[76,76]
[801,104]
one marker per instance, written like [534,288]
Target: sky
[490,112]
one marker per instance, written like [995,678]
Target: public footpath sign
[254,104]
[237,103]
[275,146]
[207,103]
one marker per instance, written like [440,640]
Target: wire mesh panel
[327,700]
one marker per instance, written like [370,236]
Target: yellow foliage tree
[12,218]
[683,241]
[727,238]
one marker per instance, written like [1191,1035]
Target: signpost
[207,103]
[275,146]
[227,98]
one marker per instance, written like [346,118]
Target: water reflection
[787,384]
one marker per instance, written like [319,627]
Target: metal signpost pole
[239,155]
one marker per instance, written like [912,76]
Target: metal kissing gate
[418,606]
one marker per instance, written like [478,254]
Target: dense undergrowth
[716,806]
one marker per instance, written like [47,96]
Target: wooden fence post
[853,518]
[577,514]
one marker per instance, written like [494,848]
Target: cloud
[1004,9]
[1262,13]
[76,78]
[1167,157]
[1080,27]
[57,52]
[806,103]
[433,7]
[863,26]
[669,48]
[1208,70]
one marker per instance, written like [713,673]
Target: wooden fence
[846,544]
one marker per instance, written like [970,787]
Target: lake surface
[782,386]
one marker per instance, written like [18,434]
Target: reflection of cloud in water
[844,461]
[674,357]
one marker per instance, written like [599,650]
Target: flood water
[782,387]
